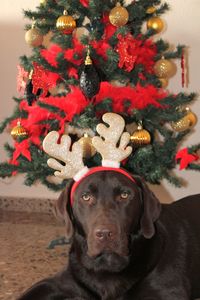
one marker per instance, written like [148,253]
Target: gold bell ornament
[33,37]
[185,123]
[86,143]
[156,24]
[165,68]
[66,23]
[119,15]
[141,136]
[18,131]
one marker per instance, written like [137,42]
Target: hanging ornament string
[183,68]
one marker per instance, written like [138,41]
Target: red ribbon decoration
[21,149]
[185,158]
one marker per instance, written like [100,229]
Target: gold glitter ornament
[192,118]
[181,125]
[33,37]
[80,32]
[155,23]
[141,137]
[18,131]
[165,68]
[87,147]
[185,123]
[118,15]
[151,10]
[66,23]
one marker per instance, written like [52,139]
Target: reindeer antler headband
[105,144]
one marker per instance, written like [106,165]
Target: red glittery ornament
[43,79]
[134,51]
[126,58]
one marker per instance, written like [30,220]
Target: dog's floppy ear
[151,209]
[61,205]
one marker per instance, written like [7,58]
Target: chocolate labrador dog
[125,244]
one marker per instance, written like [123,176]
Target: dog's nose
[103,234]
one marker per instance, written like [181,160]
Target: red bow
[21,149]
[185,158]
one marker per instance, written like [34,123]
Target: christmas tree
[90,57]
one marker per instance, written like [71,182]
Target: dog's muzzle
[107,239]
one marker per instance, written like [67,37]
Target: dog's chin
[106,262]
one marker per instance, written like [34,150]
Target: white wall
[183,26]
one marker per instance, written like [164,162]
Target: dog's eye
[124,195]
[86,197]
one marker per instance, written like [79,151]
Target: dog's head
[108,208]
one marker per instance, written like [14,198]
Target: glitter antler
[74,166]
[107,143]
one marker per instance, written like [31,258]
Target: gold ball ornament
[119,15]
[191,116]
[181,125]
[165,68]
[140,137]
[80,32]
[86,143]
[66,23]
[33,37]
[156,24]
[18,131]
[185,123]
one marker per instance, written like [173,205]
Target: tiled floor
[24,254]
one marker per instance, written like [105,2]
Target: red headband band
[95,170]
